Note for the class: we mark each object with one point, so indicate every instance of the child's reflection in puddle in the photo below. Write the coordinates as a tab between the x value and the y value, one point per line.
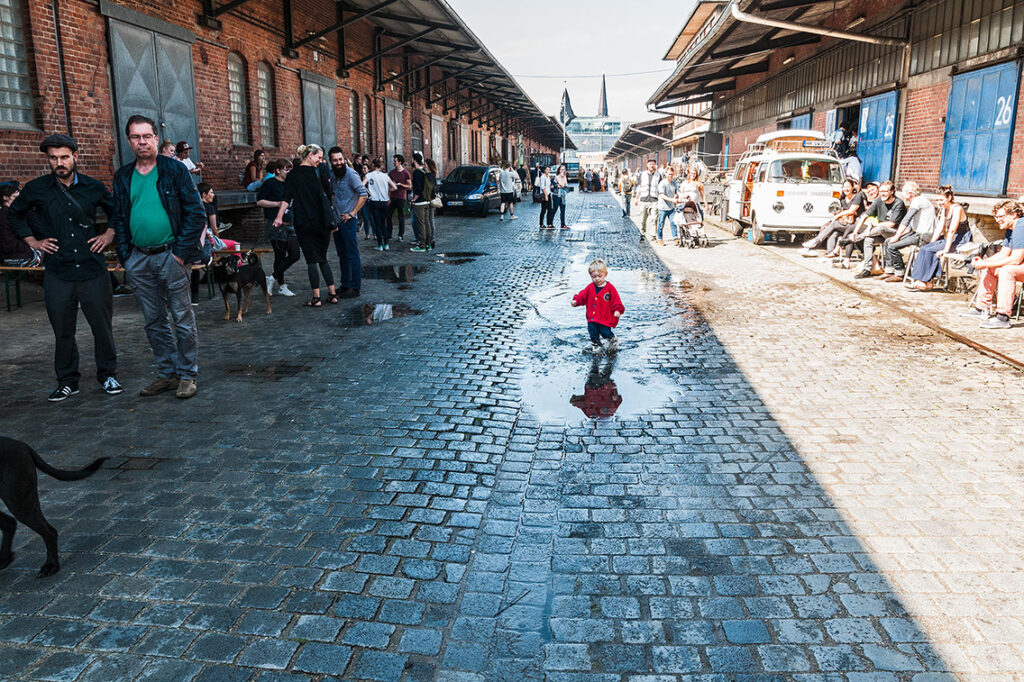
600	397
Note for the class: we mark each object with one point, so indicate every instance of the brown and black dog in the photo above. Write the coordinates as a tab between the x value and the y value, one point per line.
19	489
236	278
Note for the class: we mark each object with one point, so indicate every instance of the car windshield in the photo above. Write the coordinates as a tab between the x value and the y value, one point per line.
805	170
466	175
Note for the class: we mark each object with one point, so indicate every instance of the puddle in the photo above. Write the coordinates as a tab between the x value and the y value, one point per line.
458	257
564	382
271	372
375	313
393	273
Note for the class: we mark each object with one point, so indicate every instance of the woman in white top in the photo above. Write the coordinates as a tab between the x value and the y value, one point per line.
693	189
558	193
379	186
544	185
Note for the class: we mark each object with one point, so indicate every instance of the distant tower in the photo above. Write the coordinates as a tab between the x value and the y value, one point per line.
602	104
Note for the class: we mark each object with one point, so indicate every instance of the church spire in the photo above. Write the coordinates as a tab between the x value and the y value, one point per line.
602	104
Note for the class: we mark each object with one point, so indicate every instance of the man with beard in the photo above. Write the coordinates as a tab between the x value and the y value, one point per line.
349	196
62	208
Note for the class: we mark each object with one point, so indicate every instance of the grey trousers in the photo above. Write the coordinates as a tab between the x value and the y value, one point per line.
160	284
876	235
647	208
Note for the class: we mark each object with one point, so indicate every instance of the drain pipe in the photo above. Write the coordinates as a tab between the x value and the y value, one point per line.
803	28
58	38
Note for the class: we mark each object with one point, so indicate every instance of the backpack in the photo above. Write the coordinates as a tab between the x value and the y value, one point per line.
627	184
429	186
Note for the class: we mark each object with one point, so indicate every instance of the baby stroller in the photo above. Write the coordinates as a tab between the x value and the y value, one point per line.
690	225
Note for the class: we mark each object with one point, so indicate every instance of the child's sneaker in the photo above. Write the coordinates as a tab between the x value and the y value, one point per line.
595	347
613	345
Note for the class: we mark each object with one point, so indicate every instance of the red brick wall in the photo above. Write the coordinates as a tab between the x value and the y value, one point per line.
920	137
1015	184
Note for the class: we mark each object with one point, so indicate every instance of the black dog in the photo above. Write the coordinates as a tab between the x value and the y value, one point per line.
19	489
232	277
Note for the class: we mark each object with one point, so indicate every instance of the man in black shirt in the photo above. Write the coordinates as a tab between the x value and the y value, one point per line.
888	211
63	207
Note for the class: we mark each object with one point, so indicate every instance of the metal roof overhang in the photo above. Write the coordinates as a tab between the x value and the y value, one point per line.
434	32
732	48
437	34
648	135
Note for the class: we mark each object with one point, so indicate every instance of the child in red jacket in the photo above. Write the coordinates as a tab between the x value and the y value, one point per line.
604	307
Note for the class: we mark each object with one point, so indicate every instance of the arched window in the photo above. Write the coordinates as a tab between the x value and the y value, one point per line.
236	100
366	130
15	92
265	99
353	112
417	138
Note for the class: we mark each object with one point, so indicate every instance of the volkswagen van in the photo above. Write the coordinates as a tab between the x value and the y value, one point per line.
788	181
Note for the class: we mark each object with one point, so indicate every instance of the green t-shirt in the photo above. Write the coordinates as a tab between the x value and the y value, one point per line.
149	223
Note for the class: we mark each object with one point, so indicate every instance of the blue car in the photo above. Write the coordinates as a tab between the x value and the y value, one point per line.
473	189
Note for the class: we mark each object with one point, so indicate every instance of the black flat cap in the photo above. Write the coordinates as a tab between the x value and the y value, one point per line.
58	140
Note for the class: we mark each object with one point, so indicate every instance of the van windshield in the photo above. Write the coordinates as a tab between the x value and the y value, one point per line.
466	175
805	170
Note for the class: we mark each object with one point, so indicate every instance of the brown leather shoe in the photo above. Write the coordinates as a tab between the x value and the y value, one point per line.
160	385
893	278
186	389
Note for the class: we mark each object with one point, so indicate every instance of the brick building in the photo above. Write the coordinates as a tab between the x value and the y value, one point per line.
233	76
932	87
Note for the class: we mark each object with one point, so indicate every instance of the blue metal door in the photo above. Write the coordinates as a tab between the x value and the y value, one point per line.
877	136
800	122
979	129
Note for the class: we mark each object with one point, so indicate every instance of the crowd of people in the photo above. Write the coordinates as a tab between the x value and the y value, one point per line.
162	225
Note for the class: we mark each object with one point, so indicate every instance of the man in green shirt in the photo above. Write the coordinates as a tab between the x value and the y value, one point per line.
158	219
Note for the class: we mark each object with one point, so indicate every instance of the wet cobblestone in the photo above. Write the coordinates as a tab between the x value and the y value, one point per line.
425	498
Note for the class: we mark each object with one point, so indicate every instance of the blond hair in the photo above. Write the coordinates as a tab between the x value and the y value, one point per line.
306	149
598	266
911	187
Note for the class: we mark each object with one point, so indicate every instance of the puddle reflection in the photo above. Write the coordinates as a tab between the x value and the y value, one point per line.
601	396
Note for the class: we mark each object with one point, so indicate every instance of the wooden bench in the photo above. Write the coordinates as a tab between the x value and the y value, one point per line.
14	274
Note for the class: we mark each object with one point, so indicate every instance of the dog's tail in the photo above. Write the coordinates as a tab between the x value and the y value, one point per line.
64	474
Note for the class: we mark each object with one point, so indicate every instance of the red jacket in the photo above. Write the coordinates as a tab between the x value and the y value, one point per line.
600	306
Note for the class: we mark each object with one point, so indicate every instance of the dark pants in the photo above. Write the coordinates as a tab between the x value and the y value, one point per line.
597	330
62	300
346	243
286	254
893	257
379	218
627	198
197	275
396	205
557	204
546	212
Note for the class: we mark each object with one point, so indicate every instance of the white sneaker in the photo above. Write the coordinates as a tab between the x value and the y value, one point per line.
270	284
501	217
285	291
513	218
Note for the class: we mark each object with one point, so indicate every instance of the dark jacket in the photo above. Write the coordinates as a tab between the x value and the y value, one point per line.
180	199
43	211
11	246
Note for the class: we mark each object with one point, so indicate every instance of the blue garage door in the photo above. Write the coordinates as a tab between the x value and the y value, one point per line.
979	130
800	122
877	136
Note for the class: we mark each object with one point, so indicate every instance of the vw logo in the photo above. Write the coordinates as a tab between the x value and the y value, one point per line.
808	207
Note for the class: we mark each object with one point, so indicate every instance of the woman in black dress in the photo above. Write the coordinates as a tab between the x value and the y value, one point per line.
306	192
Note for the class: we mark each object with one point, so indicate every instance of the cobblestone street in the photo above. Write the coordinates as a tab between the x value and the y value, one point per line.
791	482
